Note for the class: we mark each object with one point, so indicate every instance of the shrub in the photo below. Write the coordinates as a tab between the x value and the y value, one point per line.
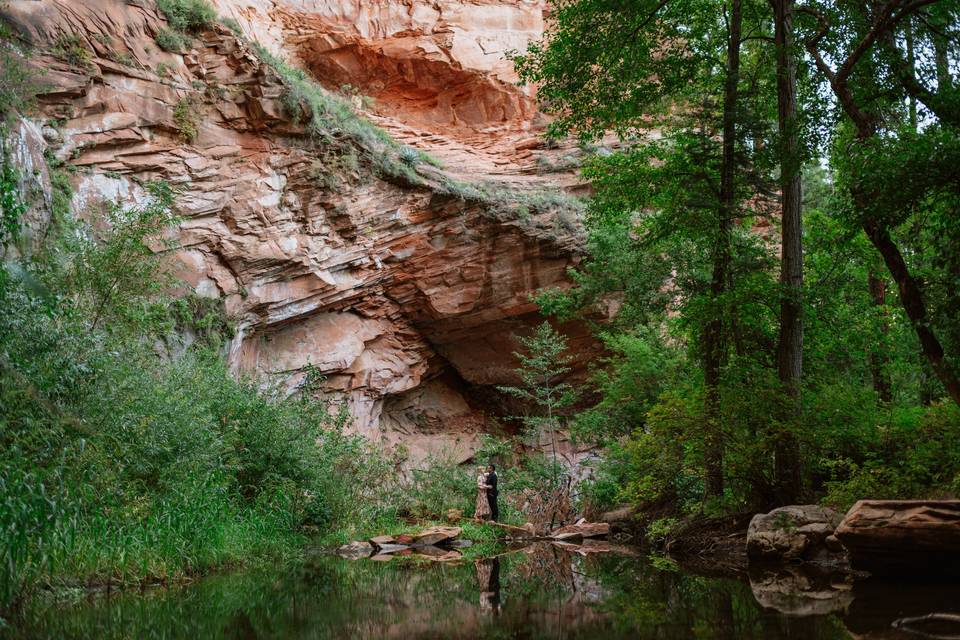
12	206
186	118
233	25
19	84
409	156
123	57
172	41
71	48
189	16
329	117
119	465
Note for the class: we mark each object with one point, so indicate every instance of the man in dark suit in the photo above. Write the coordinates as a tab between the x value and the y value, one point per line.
492	492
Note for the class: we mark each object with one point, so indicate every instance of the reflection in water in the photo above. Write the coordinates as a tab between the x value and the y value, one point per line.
535	592
488	577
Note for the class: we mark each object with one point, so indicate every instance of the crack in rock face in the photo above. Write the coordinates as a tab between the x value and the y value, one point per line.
404	298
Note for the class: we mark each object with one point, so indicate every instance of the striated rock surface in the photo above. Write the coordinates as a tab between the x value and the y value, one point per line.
903	537
434	73
403	298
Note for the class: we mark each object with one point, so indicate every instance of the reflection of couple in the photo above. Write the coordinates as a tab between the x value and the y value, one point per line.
488	575
487	507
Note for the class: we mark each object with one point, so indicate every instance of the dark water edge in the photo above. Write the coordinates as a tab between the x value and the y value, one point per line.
536	592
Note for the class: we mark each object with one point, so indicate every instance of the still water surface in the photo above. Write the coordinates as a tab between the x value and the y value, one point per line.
531	593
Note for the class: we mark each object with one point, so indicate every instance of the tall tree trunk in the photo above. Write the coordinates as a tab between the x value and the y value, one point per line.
878	354
714	338
911	296
790	345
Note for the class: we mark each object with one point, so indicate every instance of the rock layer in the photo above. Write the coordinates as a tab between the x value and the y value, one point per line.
916	538
403	298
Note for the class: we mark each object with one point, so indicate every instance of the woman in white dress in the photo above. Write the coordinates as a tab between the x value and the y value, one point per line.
483	504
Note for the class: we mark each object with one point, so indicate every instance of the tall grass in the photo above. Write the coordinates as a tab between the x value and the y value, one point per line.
119	465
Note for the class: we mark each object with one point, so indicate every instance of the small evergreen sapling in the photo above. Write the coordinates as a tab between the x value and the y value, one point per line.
541	371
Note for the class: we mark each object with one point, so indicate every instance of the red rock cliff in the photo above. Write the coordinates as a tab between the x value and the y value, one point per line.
403	295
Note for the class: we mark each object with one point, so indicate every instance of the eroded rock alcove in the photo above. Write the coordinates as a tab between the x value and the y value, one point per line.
405	298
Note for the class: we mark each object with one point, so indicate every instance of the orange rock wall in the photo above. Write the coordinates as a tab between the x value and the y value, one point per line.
403	298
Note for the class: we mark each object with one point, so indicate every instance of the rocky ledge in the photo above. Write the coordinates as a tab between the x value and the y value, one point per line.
399	290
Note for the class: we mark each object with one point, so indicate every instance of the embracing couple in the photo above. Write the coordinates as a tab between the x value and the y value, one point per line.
487	508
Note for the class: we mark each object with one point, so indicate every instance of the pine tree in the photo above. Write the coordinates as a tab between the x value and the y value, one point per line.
541	371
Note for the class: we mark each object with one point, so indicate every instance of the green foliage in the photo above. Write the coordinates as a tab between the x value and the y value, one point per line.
188	16
541	370
905	455
19	83
12	207
327	115
233	25
71	48
186	118
120	466
172	40
409	156
660	530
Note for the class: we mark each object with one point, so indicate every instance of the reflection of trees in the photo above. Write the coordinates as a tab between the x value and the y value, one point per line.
669	604
537	592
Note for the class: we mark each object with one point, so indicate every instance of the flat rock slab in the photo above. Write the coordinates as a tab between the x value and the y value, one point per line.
582	529
379	541
436	535
909	538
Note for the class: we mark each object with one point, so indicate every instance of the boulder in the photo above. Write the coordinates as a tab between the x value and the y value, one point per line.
583	530
356	549
917	538
795	532
435	535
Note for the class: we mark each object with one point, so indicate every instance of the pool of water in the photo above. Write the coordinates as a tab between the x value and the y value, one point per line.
539	591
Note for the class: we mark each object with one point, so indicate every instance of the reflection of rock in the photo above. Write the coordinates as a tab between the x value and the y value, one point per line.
904	537
356	550
790	533
877	605
800	591
581	530
933	625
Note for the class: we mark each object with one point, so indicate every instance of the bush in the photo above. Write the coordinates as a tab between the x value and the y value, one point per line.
186	118
119	465
189	16
19	84
172	41
71	48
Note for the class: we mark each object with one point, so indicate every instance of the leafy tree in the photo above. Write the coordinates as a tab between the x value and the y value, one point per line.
541	371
